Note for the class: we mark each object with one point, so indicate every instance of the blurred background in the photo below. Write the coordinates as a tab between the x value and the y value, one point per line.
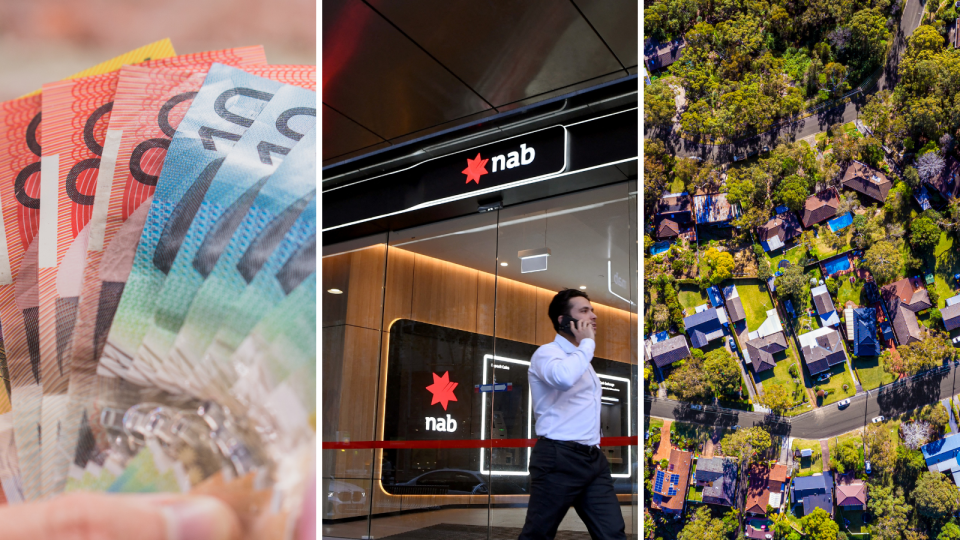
47	40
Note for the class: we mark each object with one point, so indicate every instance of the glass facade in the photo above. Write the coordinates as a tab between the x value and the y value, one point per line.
427	336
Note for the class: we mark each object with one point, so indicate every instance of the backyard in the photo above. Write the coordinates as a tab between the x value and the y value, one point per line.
850	292
947	262
792	254
756	301
690	296
871	373
809	466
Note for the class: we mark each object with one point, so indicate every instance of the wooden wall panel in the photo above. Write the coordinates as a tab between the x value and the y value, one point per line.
545	331
486	297
613	333
365	293
332	370
358	403
398	299
336	275
444	294
516	316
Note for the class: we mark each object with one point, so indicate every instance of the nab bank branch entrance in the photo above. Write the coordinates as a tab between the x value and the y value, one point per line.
436	280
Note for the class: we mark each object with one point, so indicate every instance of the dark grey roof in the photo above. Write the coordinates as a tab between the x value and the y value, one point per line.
669	351
668	229
735	309
827	352
806	485
823	303
905	325
951	316
870	182
812	502
761	351
865	342
724	487
714	464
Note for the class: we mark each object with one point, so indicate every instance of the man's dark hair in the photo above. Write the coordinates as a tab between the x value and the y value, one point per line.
560	305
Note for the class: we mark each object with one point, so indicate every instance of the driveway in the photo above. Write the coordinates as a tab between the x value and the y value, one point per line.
663	451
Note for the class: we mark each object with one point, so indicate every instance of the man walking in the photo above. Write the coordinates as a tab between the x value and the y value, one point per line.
567	467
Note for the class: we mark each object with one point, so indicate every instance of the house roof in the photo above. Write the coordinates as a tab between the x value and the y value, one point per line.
724	487
865	342
673	203
904	321
769	326
941	455
775	233
951	317
851	491
820	207
669	351
735	308
703	327
661	55
761	481
808	485
761	351
668	229
679	465
870	182
812	502
715	208
909	292
824	305
821	349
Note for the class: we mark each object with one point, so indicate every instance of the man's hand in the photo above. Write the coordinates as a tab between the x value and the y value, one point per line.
120	517
583	329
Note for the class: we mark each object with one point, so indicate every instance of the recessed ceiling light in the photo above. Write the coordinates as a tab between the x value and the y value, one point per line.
503	264
334	291
583	287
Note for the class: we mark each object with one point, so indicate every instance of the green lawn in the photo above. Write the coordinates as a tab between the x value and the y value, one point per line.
850	292
834	387
811	465
871	373
780	374
756	301
852	130
947	265
826	252
695	494
793	255
690	296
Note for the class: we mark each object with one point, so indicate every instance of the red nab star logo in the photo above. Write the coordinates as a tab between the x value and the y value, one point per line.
442	390
476	168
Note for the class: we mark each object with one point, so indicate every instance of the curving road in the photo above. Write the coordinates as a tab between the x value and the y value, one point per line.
829	421
724	153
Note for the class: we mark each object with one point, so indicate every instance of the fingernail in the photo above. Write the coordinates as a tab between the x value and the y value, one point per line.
200	518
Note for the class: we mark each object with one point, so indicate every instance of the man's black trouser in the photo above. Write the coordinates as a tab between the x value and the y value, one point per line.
568	474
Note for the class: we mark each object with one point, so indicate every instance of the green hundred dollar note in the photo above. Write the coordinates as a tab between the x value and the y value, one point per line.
281	221
243	176
222	111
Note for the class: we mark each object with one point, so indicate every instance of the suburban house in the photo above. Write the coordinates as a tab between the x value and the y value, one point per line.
715	209
666	352
902	300
657	56
868	181
718	478
820	207
775	233
674	216
670	485
765	487
946	183
734	305
865	342
941	456
851	493
759	352
704	326
770	325
951	313
825	308
822	349
813	492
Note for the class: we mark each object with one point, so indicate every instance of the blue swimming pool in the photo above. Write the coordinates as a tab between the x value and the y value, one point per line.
659	247
840	222
836	265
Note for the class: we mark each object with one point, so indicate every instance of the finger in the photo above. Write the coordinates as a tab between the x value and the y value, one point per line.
82	516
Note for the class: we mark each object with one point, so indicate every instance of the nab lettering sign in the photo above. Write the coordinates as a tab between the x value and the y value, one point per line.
488	168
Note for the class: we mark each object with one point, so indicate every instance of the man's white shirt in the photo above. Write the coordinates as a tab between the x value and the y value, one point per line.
566	391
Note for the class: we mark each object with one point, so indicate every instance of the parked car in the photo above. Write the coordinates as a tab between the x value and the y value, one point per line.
824	378
696	407
867	466
877	420
733	345
456	482
843	404
735	427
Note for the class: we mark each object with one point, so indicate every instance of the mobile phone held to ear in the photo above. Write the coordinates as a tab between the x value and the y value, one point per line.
567	324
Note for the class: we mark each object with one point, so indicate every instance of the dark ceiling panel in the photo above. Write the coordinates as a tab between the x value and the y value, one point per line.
561	91
376	76
506	50
342	135
616	22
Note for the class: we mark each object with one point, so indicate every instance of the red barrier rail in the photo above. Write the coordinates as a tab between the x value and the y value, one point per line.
461	443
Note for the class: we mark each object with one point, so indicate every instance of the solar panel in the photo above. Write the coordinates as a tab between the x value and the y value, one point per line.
674	478
658	486
672	492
